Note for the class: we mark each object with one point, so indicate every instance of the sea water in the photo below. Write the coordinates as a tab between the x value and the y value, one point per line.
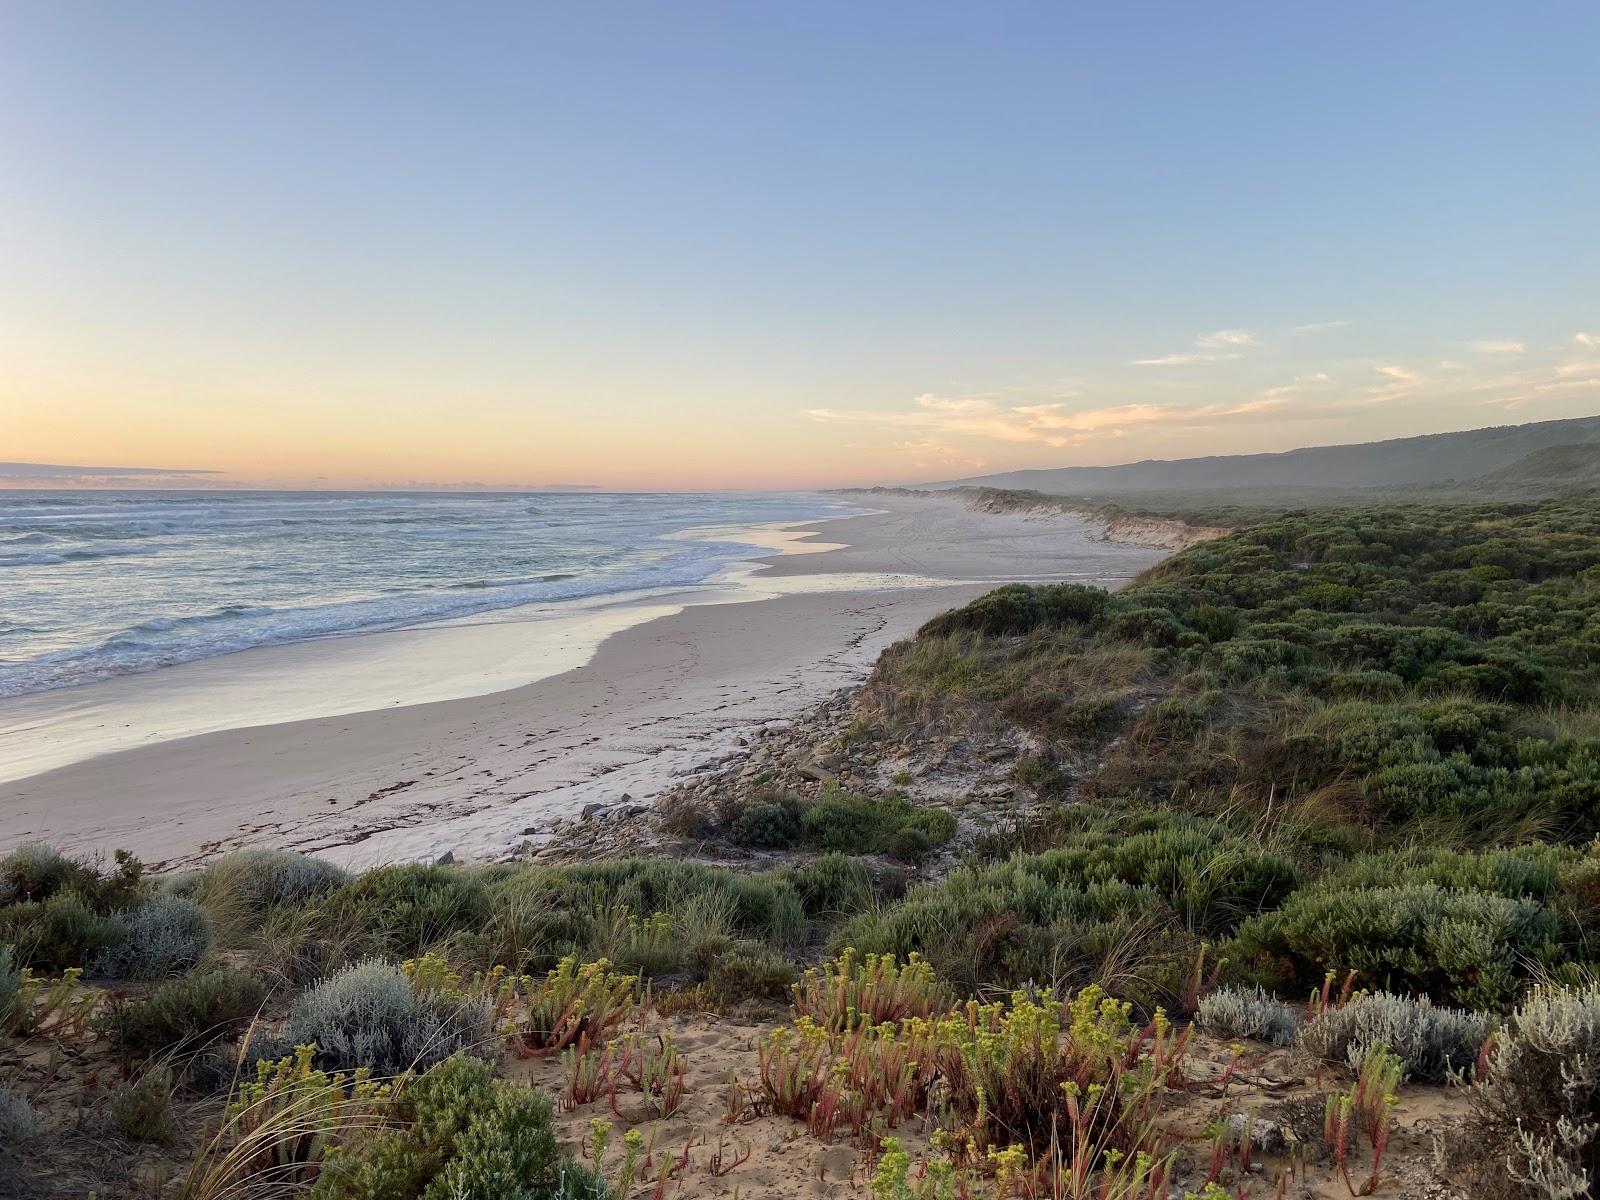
100	584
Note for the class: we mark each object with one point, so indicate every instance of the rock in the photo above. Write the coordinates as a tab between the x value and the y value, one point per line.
590	810
625	797
1264	1134
445	859
814	772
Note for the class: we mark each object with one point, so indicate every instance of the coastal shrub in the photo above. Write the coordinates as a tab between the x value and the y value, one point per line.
251	882
185	1014
1019	608
18	1122
1230	1012
1471	949
749	969
11	978
35	871
1020	920
1433	1044
839	885
775	826
1533	1129
403	910
456	1131
142	1109
765	906
841	823
371	1015
164	936
56	933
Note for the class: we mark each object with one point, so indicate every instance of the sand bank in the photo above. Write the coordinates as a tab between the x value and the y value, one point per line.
411	743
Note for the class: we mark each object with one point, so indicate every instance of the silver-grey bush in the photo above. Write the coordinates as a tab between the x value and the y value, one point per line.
1432	1043
1248	1013
368	1015
163	936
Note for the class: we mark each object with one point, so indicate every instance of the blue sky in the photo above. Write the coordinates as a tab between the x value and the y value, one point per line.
683	244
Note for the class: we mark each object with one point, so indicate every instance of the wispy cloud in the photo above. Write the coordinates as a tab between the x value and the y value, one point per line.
1504	348
1227	337
1399	373
1591	340
1046	424
1224	345
1184	360
1300	383
1317	327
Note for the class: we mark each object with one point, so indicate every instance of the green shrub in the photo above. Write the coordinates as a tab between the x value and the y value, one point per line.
403	910
56	933
10	986
1471	949
1019	920
835	885
841	823
142	1109
457	1132
260	879
1019	608
164	936
37	872
748	969
186	1014
768	825
908	845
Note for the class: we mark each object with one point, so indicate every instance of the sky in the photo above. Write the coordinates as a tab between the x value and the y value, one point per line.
686	245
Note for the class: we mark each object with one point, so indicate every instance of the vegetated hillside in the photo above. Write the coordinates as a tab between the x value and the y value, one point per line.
1430	458
1556	468
1359	746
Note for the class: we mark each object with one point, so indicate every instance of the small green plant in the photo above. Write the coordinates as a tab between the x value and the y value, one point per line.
750	970
51	1007
18	1122
142	1109
184	1015
280	1126
851	990
570	1003
61	931
1365	1109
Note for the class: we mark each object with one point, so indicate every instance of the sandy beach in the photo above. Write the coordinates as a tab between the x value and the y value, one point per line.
416	742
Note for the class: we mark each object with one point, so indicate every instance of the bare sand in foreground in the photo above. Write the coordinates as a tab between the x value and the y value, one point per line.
476	775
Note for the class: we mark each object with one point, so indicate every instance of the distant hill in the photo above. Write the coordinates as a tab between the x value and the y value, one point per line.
1435	458
1555	468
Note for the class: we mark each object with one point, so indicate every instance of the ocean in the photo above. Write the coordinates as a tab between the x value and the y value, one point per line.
100	584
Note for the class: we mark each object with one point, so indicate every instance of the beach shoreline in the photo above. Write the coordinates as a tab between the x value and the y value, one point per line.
667	688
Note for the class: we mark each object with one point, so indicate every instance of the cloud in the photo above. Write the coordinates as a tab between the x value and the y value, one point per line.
1401	374
1317	327
60	475
1046	424
1183	360
1300	383
1225	341
1504	348
1590	340
1226	337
